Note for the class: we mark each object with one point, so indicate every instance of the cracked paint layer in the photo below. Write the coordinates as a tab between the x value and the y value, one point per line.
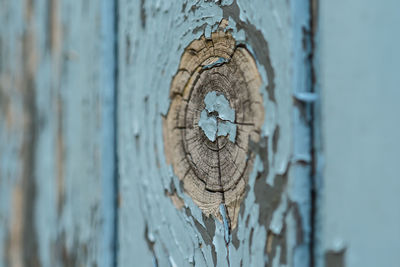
229	100
266	232
221	124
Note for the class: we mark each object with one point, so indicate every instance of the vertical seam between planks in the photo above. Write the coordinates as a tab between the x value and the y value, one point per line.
313	5
115	122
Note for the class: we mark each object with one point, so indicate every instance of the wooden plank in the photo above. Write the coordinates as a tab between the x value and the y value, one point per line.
358	76
57	133
159	223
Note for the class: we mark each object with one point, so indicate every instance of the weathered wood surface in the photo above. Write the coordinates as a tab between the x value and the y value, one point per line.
57	133
357	59
159	224
215	115
59	114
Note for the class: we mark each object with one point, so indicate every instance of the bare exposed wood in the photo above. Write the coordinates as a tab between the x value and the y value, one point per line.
214	172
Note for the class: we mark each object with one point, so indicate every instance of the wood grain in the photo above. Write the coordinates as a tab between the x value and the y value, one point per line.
214	172
57	133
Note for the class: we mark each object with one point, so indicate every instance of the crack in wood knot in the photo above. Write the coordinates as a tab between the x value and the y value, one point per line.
214	171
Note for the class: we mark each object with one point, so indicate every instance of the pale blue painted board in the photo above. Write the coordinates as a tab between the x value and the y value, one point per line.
57	160
358	78
151	40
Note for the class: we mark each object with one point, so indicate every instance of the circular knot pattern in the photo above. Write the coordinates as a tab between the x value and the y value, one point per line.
216	109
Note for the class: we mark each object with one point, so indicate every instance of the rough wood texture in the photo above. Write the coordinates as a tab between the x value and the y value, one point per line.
58	172
57	137
214	171
273	226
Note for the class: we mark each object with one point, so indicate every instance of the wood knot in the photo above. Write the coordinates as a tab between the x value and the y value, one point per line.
216	109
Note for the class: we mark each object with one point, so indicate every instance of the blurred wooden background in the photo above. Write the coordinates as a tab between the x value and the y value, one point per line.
83	177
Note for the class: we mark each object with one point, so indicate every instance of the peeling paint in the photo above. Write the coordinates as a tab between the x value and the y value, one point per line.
270	33
256	40
173	195
305	96
212	125
226	223
217	63
277	217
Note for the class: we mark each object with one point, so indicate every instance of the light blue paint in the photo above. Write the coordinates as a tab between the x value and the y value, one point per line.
306	96
223	124
305	157
222	211
157	49
225	128
357	70
108	92
209	125
299	187
207	31
172	262
217	102
11	136
75	75
277	218
217	63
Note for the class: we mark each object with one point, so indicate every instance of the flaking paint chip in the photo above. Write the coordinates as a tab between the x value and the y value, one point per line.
216	109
